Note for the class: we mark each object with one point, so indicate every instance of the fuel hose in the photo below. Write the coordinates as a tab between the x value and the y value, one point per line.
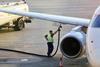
34	54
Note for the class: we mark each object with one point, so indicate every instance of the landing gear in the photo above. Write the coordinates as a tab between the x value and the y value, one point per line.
19	24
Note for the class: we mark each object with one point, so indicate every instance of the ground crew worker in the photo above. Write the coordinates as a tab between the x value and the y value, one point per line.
50	40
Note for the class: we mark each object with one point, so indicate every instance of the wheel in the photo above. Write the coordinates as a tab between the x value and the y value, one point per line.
19	25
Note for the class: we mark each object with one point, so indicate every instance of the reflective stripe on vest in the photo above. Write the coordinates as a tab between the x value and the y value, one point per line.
50	38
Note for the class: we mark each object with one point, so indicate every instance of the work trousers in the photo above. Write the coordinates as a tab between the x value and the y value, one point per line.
50	48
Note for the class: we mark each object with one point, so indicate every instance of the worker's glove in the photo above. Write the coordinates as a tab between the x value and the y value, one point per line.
45	36
58	29
60	26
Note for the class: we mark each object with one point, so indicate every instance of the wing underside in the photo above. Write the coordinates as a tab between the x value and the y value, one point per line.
49	17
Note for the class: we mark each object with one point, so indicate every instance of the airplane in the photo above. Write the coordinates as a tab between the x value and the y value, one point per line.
76	43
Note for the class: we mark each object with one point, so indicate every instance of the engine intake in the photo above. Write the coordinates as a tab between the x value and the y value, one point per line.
73	44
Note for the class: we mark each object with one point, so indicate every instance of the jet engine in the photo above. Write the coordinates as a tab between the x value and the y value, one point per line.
72	45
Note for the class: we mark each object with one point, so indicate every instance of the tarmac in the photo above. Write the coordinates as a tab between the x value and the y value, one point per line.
31	39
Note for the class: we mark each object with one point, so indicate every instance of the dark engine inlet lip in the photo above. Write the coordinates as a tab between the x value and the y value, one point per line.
75	56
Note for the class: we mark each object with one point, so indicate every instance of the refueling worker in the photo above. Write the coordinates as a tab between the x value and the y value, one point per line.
50	41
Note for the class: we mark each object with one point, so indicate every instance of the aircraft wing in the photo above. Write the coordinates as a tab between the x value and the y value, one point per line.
54	18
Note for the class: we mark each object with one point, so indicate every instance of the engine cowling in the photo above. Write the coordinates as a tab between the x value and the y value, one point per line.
72	45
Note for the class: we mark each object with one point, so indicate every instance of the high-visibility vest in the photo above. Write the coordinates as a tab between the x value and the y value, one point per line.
50	38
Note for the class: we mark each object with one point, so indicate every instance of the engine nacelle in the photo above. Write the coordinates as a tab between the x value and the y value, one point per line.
72	45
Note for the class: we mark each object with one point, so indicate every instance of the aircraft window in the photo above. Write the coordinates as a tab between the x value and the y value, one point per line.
96	22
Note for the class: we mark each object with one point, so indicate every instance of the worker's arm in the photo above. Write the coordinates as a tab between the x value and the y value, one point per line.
46	37
57	30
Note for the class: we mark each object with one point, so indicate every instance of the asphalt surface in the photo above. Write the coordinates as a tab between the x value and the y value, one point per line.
31	39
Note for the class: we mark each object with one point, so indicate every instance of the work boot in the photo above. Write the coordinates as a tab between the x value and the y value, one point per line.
48	55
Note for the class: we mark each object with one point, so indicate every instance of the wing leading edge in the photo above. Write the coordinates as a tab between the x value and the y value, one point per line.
54	18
